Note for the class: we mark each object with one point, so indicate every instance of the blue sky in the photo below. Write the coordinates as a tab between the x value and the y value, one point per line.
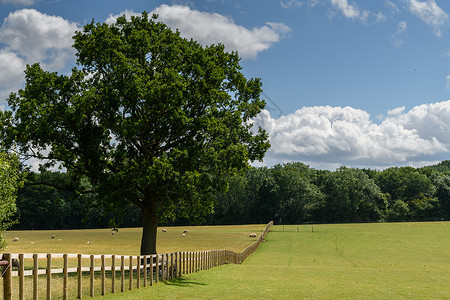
355	83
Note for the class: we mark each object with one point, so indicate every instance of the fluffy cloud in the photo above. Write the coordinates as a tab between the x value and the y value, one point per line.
350	10
430	13
29	36
38	37
330	136
212	28
12	68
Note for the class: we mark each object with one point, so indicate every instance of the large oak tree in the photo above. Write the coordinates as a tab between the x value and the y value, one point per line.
148	116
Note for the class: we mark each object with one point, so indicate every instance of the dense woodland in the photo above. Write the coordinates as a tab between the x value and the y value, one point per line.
291	193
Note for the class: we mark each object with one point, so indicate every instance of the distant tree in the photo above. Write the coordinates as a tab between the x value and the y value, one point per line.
442	193
151	118
404	183
295	193
443	166
414	189
351	196
48	200
233	207
11	179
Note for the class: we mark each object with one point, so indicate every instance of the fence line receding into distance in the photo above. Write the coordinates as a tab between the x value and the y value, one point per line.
90	269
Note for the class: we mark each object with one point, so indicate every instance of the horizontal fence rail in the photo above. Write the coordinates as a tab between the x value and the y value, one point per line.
95	272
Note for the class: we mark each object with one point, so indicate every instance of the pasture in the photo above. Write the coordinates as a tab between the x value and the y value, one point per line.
127	241
344	261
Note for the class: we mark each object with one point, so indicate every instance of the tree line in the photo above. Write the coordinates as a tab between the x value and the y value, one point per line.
292	193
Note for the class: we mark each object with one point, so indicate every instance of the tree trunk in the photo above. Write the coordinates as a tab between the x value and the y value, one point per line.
150	229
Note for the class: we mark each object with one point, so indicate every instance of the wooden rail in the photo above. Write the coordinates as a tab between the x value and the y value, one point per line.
152	268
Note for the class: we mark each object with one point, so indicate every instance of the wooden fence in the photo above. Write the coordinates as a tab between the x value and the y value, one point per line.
96	272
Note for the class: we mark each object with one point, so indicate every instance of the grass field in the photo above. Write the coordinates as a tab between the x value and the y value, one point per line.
346	261
127	241
350	261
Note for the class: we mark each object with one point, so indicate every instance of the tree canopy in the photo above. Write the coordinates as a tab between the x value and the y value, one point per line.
11	179
149	117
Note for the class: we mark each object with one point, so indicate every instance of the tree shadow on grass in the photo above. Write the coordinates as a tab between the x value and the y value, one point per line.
184	282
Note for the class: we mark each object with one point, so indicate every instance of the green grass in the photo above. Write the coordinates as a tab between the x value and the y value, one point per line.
349	261
125	242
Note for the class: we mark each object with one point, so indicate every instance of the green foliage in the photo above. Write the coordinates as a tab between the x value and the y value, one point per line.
11	178
150	118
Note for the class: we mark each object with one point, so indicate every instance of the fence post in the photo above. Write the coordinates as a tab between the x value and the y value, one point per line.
21	275
171	266
80	275
131	274
92	276
122	273
7	278
65	276
113	272
163	265
157	268
35	276
103	275
151	270
145	270
138	272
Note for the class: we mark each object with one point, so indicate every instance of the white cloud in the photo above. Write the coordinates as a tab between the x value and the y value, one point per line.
393	8
38	37
11	67
325	135
396	111
380	17
290	3
212	28
350	10
19	2
447	84
397	38
430	13
402	26
29	36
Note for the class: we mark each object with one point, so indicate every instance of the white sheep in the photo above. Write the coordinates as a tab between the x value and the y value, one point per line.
164	230
16	239
184	234
89	243
31	243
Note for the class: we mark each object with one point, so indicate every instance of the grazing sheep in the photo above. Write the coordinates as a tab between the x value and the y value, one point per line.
185	231
115	229
59	240
31	243
16	239
184	234
252	235
164	230
89	243
53	236
113	233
